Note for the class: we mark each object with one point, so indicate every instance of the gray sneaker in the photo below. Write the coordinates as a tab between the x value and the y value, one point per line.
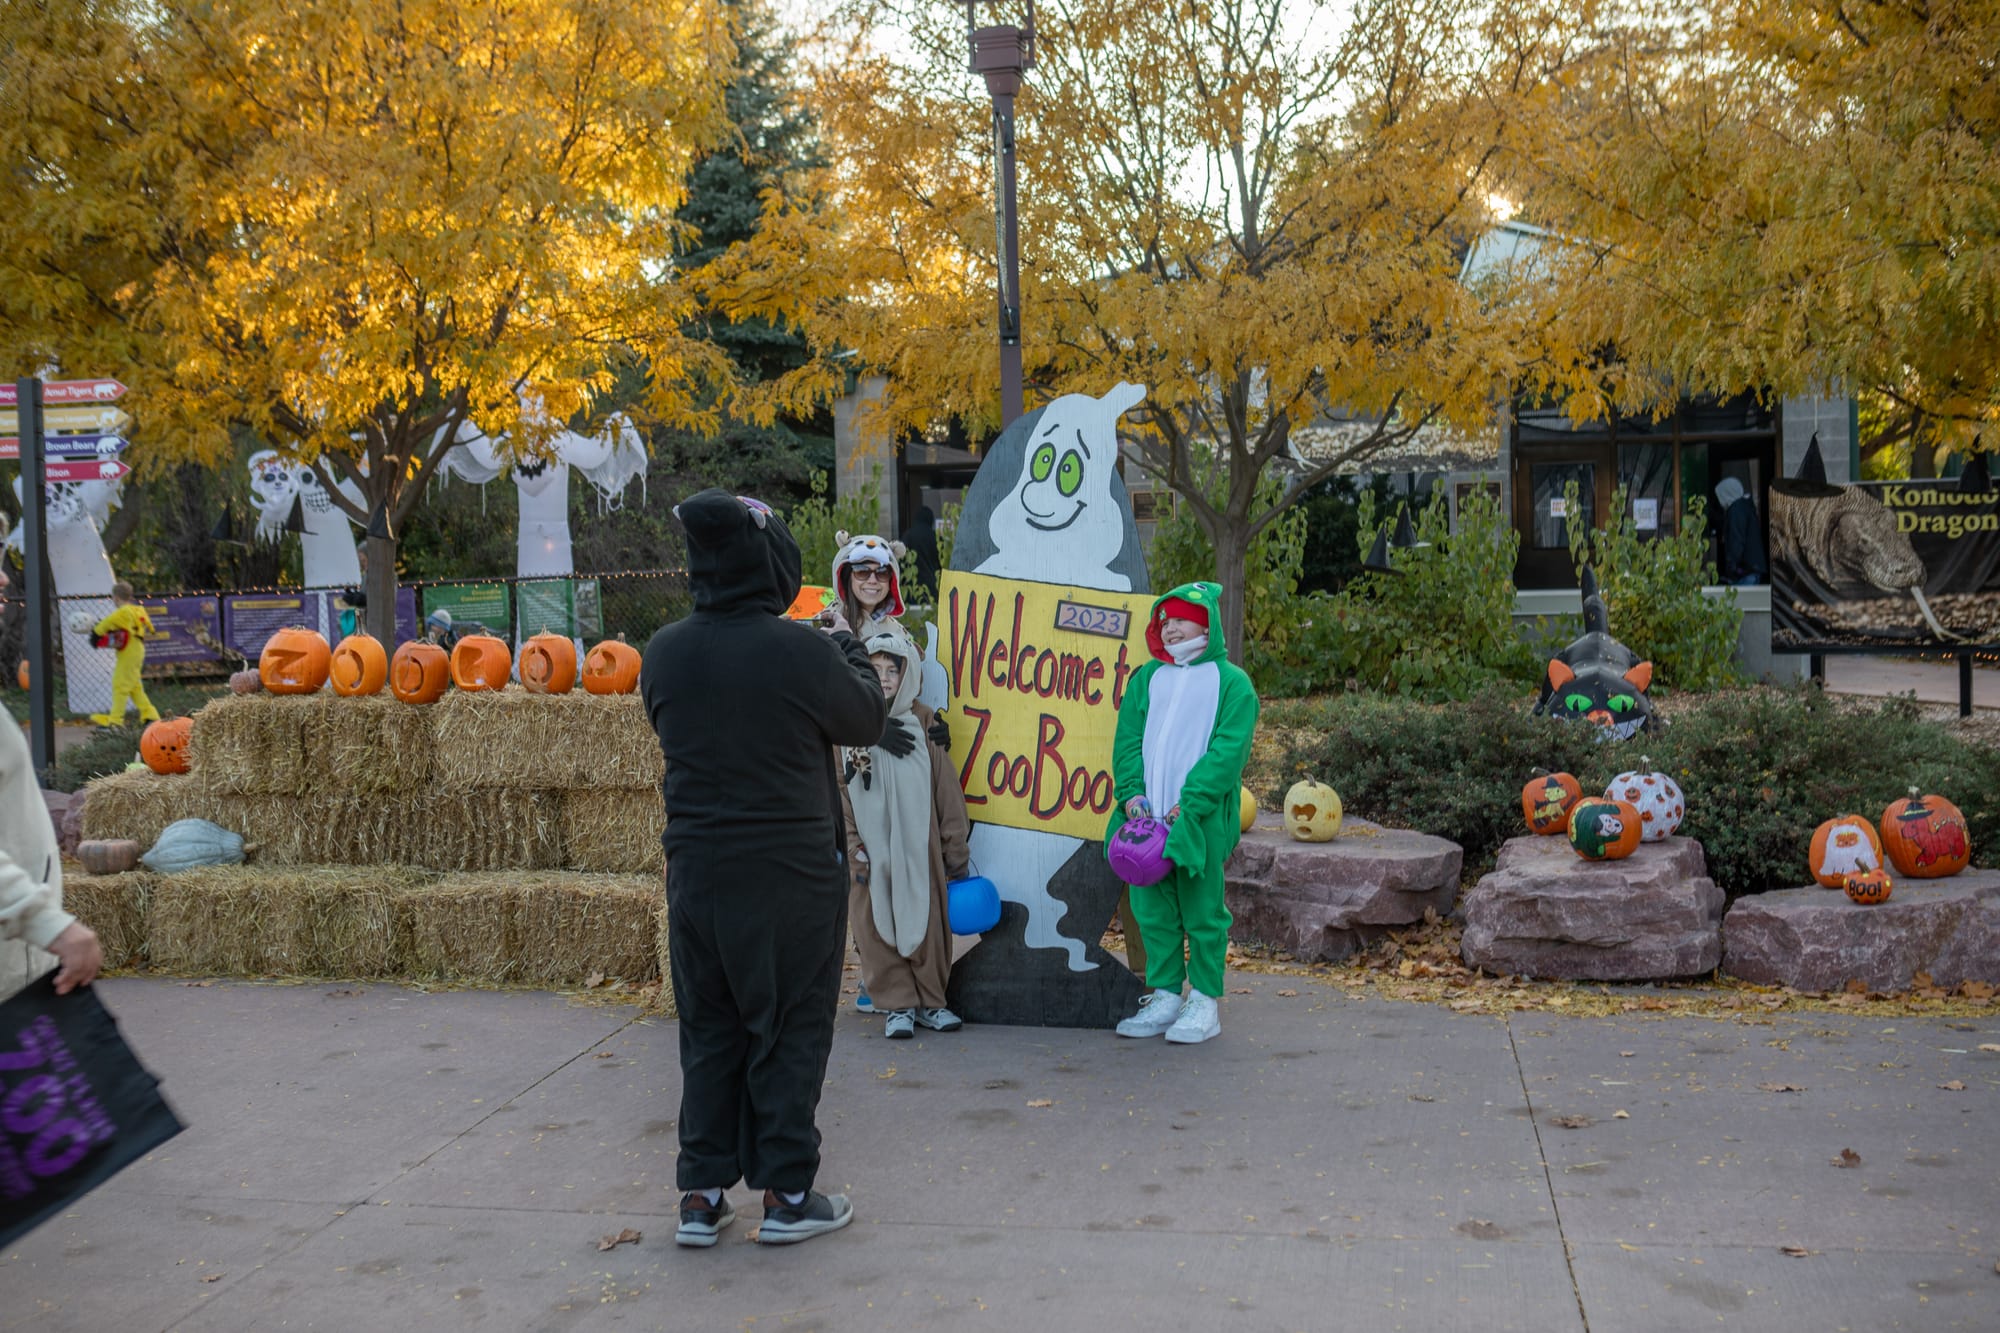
939	1020
900	1025
789	1223
702	1222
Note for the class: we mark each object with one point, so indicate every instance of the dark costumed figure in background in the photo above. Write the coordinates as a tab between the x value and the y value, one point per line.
749	708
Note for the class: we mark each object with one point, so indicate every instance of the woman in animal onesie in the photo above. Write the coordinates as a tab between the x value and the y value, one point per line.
868	581
906	836
749	708
1184	734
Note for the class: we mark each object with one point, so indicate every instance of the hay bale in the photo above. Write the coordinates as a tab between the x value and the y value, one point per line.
665	963
614	831
115	906
373	743
319	921
138	805
511	738
488	830
254	743
548	929
352	829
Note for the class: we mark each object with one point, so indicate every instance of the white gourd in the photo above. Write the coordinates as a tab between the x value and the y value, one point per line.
188	843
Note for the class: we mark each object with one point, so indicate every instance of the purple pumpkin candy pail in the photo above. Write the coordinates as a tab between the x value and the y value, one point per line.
1138	852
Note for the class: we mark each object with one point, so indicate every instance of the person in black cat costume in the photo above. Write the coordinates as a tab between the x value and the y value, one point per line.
749	708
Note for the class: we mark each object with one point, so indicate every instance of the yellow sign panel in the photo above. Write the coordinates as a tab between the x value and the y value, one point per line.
1037	674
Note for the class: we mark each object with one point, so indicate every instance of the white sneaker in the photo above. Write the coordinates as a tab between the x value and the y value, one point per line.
1200	1019
1157	1013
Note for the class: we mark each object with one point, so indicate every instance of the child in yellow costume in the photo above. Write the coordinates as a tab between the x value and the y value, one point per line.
126	629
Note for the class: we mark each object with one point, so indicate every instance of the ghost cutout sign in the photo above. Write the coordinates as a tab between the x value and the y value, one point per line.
1048	506
77	513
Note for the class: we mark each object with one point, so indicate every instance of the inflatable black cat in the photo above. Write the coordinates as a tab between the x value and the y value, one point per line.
1598	679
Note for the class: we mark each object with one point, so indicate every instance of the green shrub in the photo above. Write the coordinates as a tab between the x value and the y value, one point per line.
1182	553
1761	769
1652	589
815	520
105	750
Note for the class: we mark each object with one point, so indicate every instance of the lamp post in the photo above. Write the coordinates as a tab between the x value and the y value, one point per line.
1002	54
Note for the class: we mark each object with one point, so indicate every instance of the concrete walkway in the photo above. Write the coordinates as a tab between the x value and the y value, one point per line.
1932	682
368	1157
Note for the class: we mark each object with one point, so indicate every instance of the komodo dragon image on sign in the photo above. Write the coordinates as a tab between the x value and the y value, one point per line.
1848	544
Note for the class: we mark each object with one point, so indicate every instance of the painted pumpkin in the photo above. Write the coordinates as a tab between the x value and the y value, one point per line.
1545	802
108	856
294	661
612	667
1925	837
419	672
1869	887
481	662
1246	805
359	666
548	664
164	746
245	682
1603	829
1842	846
1312	812
1655	796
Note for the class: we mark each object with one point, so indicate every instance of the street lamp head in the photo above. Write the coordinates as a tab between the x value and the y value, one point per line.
1001	47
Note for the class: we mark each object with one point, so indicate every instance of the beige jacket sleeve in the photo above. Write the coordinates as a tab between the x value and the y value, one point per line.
30	865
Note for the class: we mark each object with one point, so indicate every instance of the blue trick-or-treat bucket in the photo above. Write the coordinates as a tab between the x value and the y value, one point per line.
972	905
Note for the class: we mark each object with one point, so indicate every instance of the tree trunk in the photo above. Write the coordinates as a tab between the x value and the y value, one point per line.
380	578
1232	547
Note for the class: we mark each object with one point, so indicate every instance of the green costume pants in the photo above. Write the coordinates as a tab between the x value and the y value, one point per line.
1184	925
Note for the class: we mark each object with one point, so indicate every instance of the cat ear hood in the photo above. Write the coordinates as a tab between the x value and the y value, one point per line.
741	556
899	645
1199	602
869	549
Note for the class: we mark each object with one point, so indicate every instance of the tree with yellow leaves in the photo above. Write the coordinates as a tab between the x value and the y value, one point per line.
1257	209
355	226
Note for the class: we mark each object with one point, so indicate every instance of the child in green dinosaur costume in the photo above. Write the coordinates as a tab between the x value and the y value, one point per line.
1184	733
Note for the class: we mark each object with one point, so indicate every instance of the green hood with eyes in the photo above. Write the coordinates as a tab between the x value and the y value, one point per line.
1207	597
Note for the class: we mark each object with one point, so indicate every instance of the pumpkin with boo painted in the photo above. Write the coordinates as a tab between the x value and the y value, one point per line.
1546	800
1312	812
1842	846
359	666
1602	829
419	672
1869	887
612	667
1655	796
164	745
1926	837
294	661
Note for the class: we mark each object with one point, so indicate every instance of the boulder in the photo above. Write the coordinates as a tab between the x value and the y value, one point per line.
1321	901
70	831
1814	939
1544	911
60	803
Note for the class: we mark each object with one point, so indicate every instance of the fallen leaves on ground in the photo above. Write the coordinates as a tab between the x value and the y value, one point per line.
1848	1158
602	1055
343	994
1952	1085
1288	994
1796	1251
1422	1097
1480	1229
1621	1115
625	1237
1041	1103
213	1277
199	984
1779	1087
593	981
1990	1046
1578	1121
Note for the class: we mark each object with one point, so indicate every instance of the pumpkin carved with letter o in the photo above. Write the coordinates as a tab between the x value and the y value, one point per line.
164	745
481	662
359	666
1869	887
1926	837
548	664
294	661
1312	812
1601	829
1546	800
418	673
1842	846
612	667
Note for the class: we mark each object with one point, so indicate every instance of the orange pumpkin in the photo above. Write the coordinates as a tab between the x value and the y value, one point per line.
481	662
21	673
612	667
1601	829
548	664
164	745
108	856
1869	887
1545	802
1926	837
419	672
359	666
294	661
1843	846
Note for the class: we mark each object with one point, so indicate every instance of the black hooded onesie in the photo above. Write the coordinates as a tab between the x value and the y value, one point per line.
749	708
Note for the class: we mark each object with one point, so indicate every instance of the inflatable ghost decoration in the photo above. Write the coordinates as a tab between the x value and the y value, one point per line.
77	513
1598	679
327	546
609	461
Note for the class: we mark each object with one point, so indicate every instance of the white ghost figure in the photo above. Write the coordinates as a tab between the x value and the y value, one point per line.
609	461
77	513
1061	523
327	545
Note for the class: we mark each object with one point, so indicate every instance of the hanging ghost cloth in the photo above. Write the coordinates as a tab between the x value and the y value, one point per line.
76	1106
892	811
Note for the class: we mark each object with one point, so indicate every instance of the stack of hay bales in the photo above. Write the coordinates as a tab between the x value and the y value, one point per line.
495	836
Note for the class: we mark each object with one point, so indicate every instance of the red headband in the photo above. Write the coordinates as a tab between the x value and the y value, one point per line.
1175	608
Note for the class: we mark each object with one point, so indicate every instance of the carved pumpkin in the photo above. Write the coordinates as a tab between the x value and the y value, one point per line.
1842	846
1603	829
245	682
1545	802
1247	805
548	664
294	661
164	746
612	667
359	666
1869	887
1655	796
1312	812
108	856
481	662
419	672
1926	837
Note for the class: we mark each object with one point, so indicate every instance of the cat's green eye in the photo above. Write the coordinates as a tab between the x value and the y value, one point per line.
1577	703
1045	463
1623	703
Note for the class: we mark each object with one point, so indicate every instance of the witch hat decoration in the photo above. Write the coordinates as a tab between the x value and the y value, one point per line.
1809	482
1406	532
1976	479
225	527
1378	554
296	520
378	522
